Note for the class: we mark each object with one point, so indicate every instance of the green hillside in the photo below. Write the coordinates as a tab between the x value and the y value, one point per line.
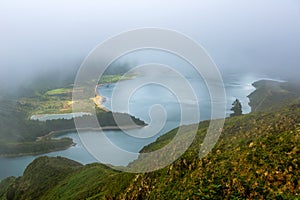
41	174
256	157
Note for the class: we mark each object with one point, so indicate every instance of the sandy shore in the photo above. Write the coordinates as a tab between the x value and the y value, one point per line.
99	100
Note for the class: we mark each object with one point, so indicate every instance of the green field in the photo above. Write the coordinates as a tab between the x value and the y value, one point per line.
59	91
59	100
114	78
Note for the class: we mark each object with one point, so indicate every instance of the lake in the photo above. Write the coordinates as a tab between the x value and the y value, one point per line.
45	117
237	86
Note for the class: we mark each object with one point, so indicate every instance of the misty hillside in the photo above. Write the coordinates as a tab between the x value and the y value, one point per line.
272	94
256	157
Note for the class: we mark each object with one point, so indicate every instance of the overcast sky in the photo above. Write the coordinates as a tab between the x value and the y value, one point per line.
252	35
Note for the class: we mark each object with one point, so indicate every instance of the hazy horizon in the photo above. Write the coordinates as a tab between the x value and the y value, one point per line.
248	36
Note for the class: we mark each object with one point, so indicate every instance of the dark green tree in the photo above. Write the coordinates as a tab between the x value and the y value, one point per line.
236	108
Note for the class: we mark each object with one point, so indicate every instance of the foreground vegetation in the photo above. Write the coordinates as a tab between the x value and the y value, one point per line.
256	157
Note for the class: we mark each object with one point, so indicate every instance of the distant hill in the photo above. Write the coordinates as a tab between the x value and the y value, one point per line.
256	157
19	135
271	94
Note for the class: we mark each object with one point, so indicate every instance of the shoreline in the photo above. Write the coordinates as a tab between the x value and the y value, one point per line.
99	100
105	128
35	153
53	134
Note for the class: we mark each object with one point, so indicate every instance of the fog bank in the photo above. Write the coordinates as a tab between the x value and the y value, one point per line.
241	36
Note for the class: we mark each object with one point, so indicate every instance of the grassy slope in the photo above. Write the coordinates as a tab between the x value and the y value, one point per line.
256	157
41	174
4	186
93	181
